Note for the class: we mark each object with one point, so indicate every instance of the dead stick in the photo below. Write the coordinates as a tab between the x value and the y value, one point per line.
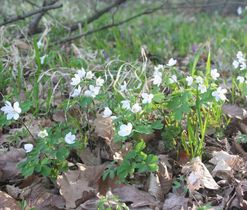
96	15
22	17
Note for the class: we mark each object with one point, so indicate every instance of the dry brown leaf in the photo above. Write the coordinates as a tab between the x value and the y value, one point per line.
89	158
175	202
104	129
198	176
89	205
165	177
225	163
8	162
41	198
234	111
118	156
79	185
37	194
154	187
7	202
138	198
21	44
58	116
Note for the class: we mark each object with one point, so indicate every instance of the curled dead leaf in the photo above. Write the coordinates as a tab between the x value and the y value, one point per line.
225	163
198	176
165	174
104	129
154	187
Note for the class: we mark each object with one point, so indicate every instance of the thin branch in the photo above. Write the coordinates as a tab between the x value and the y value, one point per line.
96	15
146	12
22	17
34	24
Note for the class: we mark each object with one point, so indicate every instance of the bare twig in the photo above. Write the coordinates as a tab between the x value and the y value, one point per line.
96	15
22	17
146	12
33	25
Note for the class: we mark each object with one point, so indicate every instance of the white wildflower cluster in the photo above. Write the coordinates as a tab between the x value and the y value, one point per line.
92	90
240	61
157	75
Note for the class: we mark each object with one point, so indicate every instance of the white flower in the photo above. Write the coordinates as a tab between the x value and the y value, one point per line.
75	80
242	65
125	104
240	56
93	91
158	68
70	138
107	112
189	80
173	79
89	75
171	62
81	73
76	91
28	147
99	82
219	94
157	79
239	11
235	64
214	74
123	87
42	59
125	130
202	88
39	44
136	108
43	134
11	112
147	98
240	79
199	80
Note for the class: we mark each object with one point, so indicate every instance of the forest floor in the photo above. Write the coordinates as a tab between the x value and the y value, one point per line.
148	115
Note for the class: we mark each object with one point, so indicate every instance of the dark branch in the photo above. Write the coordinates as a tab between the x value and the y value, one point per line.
146	12
34	24
22	17
96	15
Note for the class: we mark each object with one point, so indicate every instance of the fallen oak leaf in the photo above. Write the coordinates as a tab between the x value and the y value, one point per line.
79	185
8	162
198	176
225	163
234	111
175	202
137	198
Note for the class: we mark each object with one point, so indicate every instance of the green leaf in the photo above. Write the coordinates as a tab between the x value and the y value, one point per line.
85	101
25	106
157	125
27	170
62	153
159	97
140	146
144	129
45	170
